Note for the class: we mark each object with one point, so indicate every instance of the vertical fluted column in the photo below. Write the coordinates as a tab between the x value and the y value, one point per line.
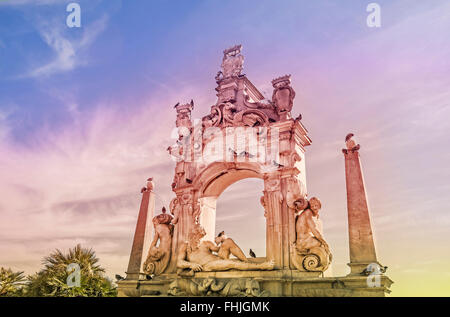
362	247
275	226
183	226
146	212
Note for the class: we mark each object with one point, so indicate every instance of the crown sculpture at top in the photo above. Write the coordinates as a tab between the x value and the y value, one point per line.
239	102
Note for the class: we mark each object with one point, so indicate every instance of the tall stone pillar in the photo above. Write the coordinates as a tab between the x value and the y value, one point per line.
362	247
146	212
273	199
184	224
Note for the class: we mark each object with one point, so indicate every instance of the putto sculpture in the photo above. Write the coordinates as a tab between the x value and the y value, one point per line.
310	251
245	135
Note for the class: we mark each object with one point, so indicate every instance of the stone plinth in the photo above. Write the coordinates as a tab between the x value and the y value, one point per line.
257	283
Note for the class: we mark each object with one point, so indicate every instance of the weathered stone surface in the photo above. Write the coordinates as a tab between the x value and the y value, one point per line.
255	284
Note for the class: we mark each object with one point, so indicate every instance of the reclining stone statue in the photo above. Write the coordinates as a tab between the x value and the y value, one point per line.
195	256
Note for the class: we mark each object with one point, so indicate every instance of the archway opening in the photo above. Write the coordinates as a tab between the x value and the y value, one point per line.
240	214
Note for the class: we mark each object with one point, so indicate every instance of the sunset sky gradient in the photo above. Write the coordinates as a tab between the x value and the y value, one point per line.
86	117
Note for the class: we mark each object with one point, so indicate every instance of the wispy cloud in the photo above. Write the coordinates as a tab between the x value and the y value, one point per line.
81	183
28	2
68	53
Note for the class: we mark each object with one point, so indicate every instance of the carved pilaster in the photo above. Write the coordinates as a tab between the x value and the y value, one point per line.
185	221
274	219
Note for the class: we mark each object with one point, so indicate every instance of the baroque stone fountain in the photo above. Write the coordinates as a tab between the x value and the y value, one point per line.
246	135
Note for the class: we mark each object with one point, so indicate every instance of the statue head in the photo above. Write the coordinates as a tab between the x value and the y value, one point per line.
220	238
315	205
163	218
196	234
252	288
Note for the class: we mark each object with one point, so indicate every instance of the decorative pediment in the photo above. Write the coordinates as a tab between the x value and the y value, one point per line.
228	115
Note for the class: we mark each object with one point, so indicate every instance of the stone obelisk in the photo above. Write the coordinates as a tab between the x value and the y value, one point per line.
145	212
362	247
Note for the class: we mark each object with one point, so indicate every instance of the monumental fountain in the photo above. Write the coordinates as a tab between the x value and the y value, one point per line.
246	135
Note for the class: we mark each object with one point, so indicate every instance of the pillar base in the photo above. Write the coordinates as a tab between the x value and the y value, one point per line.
357	268
136	276
255	283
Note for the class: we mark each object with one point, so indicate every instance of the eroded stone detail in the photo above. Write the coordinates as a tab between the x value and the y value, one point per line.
295	197
216	287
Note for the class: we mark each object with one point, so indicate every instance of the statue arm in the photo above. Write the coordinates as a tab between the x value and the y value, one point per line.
155	240
212	246
183	264
315	232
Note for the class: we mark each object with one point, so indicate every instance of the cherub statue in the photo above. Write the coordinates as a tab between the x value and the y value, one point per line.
310	242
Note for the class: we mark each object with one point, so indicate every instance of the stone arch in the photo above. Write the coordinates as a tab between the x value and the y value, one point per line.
271	148
213	181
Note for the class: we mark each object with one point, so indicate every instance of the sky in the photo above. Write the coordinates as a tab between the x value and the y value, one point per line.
86	116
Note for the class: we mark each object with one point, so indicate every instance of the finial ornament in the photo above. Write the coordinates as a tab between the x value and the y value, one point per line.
184	114
149	186
351	144
232	63
281	81
283	96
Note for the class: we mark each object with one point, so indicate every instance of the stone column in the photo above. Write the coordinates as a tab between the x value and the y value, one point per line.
207	216
276	227
183	226
362	247
146	211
